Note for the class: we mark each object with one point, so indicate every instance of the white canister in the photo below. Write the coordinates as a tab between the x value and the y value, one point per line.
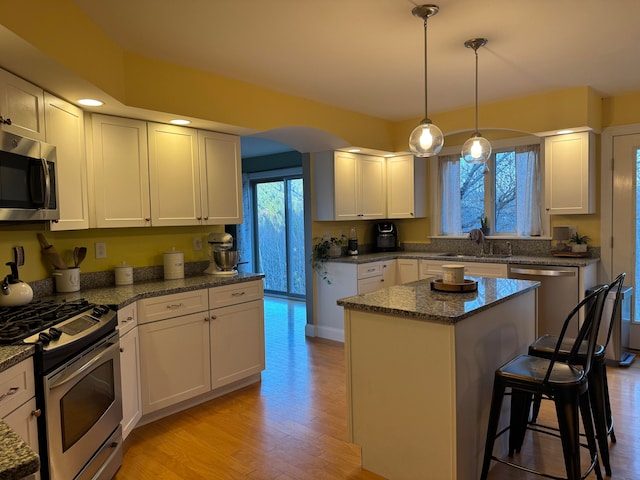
173	265
452	273
124	274
67	280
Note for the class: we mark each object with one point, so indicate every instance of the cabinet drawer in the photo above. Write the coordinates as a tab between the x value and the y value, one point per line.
234	294
16	386
174	305
127	318
367	270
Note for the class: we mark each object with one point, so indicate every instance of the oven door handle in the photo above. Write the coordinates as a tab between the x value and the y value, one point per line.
96	356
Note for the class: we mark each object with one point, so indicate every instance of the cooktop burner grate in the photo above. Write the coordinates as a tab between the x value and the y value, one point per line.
17	323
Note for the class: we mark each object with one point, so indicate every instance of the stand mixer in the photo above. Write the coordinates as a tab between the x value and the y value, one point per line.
223	258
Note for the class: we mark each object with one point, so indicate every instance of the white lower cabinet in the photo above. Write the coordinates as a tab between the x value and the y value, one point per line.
429	268
18	403
174	360
129	368
407	270
237	333
376	275
186	354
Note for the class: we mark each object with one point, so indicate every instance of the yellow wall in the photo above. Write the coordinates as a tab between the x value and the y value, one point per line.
61	31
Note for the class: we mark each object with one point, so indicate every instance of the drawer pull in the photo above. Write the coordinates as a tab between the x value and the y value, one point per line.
174	306
237	294
11	391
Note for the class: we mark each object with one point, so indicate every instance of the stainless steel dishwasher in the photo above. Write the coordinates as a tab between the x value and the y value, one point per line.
559	292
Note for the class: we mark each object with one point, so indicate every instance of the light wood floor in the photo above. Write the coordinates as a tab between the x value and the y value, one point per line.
293	424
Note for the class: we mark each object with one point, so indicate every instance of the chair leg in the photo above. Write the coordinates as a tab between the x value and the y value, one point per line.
597	397
567	412
520	407
537	401
492	427
587	422
608	404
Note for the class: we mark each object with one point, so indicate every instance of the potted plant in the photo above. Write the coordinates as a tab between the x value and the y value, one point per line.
578	242
324	249
484	224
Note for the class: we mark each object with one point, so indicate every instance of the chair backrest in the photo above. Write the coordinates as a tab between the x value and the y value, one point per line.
593	305
615	286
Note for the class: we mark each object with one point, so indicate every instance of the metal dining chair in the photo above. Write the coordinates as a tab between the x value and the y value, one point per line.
564	382
544	346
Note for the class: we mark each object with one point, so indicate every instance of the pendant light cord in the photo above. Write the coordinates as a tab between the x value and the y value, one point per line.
476	52
426	89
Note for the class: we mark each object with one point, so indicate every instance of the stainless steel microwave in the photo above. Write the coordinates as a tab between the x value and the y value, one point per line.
28	183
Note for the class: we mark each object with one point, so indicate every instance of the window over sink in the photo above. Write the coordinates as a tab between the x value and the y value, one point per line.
508	191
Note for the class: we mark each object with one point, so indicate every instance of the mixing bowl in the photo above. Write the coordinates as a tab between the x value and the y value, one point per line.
226	259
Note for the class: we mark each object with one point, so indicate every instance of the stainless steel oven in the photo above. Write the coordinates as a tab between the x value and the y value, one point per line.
83	408
77	372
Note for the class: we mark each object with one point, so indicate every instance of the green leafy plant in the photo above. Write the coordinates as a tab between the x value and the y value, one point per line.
322	252
579	239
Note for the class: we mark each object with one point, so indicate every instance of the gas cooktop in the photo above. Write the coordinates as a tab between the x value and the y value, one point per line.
18	323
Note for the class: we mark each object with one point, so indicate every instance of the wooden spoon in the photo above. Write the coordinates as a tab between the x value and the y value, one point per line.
79	254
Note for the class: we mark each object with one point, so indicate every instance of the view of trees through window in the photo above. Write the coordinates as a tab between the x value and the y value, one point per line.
279	235
505	176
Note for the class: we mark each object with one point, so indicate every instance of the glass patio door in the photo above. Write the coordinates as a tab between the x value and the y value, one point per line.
279	235
625	220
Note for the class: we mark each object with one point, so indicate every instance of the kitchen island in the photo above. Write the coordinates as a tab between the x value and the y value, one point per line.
420	369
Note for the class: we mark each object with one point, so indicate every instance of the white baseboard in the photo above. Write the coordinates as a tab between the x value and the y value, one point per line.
330	333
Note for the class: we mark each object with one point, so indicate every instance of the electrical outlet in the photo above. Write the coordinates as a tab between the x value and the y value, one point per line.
197	244
101	250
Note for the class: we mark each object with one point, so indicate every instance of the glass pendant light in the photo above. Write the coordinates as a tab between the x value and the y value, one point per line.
477	149
426	140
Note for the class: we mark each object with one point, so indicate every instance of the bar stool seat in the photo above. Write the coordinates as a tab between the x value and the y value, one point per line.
564	382
545	346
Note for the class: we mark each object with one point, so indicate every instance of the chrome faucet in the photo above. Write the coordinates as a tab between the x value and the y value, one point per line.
509	249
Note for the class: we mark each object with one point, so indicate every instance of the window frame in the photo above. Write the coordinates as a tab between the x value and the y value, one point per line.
497	145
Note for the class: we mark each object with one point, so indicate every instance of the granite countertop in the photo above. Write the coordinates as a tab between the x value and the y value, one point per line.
417	300
17	459
445	256
123	295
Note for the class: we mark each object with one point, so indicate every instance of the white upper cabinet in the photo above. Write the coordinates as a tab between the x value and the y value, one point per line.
220	178
21	107
406	187
65	129
570	173
120	172
174	175
349	186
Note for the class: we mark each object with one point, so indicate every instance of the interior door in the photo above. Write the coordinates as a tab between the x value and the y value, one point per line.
625	219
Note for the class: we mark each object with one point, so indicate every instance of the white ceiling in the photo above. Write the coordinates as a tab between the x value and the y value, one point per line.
367	56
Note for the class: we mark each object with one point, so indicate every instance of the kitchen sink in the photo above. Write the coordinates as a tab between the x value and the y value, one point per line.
463	255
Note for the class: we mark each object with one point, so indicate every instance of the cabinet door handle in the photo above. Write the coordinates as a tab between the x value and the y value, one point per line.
206	319
11	391
213	317
36	413
121	350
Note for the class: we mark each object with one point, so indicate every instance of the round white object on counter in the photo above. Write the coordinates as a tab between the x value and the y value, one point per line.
124	274
67	280
173	265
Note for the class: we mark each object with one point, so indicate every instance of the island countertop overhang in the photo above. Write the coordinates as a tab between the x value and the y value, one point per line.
418	301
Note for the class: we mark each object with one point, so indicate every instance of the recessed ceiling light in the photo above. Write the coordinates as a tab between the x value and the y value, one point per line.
179	121
90	102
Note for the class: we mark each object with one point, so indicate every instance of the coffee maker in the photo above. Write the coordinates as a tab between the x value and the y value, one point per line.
385	237
224	258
